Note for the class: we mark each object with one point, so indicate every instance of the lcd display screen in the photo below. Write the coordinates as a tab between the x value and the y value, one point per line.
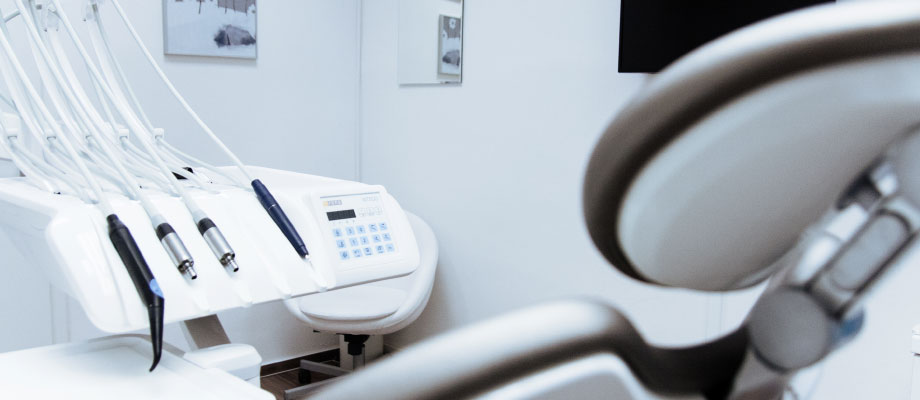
654	33
337	215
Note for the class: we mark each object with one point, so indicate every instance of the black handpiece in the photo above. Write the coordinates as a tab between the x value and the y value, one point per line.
143	279
274	210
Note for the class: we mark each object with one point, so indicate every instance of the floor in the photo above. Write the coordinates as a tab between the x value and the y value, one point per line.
278	377
279	382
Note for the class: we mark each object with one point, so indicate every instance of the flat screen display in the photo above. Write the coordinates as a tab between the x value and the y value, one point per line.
654	33
337	215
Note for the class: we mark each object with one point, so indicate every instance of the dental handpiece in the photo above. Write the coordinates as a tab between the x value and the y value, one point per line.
274	210
218	244
176	250
144	281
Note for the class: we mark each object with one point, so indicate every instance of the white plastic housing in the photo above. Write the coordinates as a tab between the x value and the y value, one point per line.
114	368
240	360
68	240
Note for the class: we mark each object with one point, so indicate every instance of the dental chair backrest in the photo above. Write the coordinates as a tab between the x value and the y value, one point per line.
713	171
711	179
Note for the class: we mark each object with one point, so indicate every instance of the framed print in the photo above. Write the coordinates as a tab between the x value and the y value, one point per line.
218	28
450	45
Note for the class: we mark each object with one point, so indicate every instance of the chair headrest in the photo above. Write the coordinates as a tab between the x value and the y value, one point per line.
713	171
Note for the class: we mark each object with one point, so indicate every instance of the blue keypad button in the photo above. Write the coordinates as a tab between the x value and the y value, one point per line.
353	241
349	230
377	239
337	232
340	244
361	229
367	251
372	227
356	253
364	240
383	226
380	249
343	254
390	248
386	236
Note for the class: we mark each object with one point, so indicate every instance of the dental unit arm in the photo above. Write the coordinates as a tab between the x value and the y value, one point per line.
786	151
121	274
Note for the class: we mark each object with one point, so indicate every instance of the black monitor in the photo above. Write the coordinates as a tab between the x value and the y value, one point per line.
653	33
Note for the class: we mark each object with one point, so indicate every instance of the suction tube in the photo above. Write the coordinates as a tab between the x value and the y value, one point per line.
144	281
274	210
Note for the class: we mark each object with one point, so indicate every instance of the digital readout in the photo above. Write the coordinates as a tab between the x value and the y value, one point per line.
337	215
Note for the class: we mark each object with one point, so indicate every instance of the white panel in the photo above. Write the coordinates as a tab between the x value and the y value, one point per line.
496	165
25	301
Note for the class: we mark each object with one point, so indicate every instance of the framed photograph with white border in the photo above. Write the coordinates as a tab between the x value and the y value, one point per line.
216	28
450	45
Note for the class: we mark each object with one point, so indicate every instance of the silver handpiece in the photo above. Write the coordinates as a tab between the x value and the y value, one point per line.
218	244
176	250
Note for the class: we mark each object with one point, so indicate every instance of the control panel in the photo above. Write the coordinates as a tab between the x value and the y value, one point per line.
361	231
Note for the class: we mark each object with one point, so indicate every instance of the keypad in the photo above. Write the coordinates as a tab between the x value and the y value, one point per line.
363	240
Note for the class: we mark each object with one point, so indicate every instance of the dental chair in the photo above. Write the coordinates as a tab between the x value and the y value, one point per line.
359	311
786	151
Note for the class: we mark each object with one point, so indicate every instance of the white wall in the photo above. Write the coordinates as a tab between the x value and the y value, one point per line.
293	108
495	165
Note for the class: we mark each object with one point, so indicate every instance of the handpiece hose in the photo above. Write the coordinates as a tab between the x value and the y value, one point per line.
274	210
144	281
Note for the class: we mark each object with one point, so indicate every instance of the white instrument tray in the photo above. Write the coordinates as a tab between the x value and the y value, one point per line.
68	240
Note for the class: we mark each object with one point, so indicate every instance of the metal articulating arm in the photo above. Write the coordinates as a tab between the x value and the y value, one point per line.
488	354
814	307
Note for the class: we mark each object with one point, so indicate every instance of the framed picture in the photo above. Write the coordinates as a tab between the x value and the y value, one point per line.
450	45
219	28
